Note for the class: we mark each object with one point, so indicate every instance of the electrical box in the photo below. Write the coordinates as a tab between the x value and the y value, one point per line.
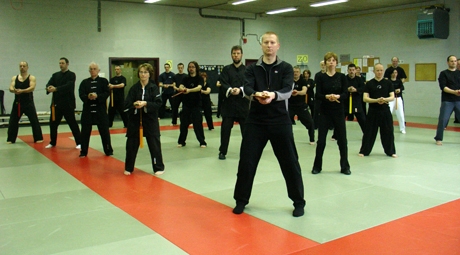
433	23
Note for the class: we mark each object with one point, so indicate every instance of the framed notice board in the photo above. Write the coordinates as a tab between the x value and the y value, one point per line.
425	72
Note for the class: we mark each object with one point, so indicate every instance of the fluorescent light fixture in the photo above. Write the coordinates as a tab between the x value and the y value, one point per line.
318	4
242	2
151	1
289	9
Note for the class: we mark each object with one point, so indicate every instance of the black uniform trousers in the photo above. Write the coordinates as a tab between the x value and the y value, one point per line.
305	118
315	112
311	104
13	124
118	106
359	113
226	131
193	115
69	115
255	138
165	98
376	119
207	112
132	147
335	119
103	129
175	103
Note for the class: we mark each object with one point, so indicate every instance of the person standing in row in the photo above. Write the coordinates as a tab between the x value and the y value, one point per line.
142	104
398	103
177	98
298	106
449	83
166	81
269	81
310	98
191	105
62	87
206	101
362	76
378	92
23	86
355	89
395	66
94	92
457	117
322	65
117	97
331	90
234	106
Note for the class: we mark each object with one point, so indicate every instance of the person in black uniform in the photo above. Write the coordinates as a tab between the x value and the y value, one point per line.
378	92
331	90
234	106
395	66
62	85
166	82
310	98
191	105
94	92
449	83
206	101
23	85
177	98
269	81
298	106
355	90
362	76
318	102
142	104
457	117
398	103
117	97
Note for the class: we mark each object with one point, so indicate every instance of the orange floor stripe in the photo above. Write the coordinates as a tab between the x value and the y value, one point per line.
194	223
433	231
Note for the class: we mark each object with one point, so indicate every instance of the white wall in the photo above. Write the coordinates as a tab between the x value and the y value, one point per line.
393	33
43	31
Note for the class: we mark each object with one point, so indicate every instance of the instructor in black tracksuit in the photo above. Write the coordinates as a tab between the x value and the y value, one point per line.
269	83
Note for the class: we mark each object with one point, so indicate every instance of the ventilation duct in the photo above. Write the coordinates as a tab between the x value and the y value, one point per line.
433	23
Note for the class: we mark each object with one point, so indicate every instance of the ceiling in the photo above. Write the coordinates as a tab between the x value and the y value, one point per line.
304	9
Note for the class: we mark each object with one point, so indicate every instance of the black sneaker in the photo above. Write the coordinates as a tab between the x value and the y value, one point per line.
221	156
239	208
345	171
298	211
315	171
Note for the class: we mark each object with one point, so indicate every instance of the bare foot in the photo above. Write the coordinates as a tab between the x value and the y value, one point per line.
361	155
394	156
438	142
312	143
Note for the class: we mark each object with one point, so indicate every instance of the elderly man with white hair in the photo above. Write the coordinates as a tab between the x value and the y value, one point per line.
94	92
